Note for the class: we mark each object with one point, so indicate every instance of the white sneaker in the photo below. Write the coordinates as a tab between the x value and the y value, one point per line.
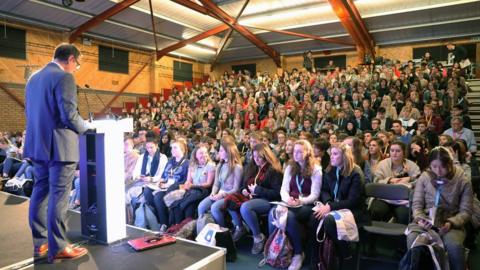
297	262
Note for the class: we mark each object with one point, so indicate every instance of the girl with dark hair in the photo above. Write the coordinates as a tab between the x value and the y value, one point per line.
373	158
164	144
263	179
351	128
419	152
442	199
396	170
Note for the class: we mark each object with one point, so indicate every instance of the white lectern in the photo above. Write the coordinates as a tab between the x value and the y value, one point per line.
102	186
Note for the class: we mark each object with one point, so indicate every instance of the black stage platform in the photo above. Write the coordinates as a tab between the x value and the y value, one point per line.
16	246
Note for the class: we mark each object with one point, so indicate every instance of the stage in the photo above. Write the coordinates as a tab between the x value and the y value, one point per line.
16	246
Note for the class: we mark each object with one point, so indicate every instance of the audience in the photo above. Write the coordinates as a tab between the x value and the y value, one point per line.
256	127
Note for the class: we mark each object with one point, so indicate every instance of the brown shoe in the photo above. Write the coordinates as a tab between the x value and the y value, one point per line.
68	253
41	251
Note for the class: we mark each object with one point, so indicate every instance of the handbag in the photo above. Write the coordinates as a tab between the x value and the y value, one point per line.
214	235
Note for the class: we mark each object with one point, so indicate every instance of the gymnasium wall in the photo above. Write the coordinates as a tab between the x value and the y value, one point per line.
398	52
40	44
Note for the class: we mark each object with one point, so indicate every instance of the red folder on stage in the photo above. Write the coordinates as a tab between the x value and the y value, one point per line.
149	242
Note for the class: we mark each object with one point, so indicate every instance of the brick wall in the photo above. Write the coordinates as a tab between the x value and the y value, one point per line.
13	118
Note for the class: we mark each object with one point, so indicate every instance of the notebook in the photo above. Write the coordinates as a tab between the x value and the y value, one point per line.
143	243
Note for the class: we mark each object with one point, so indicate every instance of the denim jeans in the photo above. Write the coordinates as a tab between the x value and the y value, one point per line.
251	210
296	216
216	207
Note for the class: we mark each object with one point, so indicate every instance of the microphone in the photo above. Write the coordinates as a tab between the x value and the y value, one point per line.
109	110
90	114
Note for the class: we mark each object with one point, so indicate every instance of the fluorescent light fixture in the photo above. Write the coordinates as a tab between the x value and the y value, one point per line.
286	14
200	49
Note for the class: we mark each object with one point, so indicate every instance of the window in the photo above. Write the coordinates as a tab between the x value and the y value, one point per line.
112	59
13	43
182	72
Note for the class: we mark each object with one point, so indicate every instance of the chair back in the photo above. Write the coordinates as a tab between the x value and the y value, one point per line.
387	191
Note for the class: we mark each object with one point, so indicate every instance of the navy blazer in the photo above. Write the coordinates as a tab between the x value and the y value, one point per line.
351	193
53	121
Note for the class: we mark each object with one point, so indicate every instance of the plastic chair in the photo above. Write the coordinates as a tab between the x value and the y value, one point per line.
379	228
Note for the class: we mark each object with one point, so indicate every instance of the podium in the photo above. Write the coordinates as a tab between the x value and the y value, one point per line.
102	186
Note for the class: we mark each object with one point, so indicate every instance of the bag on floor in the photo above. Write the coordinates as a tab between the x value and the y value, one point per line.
214	235
326	250
426	250
145	218
278	250
224	239
204	220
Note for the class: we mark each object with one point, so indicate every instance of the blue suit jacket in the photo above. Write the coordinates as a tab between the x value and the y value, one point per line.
53	121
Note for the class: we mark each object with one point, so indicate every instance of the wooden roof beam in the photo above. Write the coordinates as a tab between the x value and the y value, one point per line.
245	32
98	19
196	38
328	40
354	26
342	12
224	41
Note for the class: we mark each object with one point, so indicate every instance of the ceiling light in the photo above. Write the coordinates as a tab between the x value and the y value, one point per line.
200	49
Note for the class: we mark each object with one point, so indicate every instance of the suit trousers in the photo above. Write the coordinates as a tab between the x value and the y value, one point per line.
49	203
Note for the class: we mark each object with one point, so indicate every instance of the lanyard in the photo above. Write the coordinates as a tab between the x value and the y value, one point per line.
299	185
172	170
335	190
437	195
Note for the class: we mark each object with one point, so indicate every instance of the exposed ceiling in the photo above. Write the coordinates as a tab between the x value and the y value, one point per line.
388	21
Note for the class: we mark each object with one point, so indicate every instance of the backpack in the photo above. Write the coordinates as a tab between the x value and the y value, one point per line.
278	251
145	218
416	258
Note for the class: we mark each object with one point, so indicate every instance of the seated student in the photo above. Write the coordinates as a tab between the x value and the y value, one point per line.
396	169
228	177
443	199
342	188
12	161
373	158
201	173
263	179
173	176
148	170
302	181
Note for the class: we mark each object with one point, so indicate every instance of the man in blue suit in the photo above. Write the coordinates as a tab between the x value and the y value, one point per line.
51	142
